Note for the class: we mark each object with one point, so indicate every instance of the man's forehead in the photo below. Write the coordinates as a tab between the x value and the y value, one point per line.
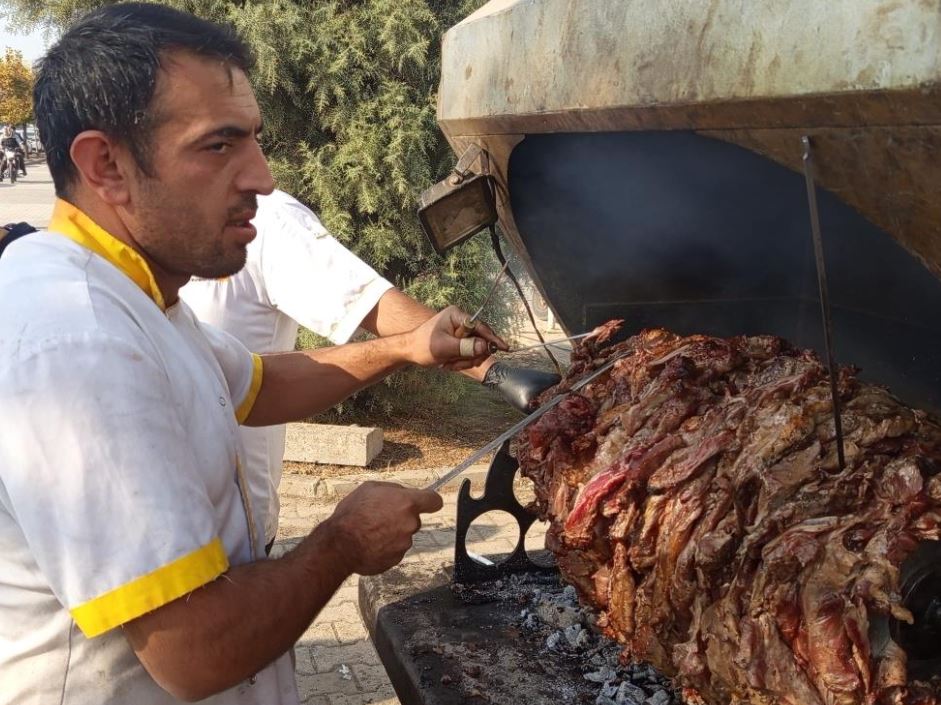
195	89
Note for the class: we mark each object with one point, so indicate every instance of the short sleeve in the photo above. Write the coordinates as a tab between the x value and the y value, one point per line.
243	370
311	277
99	475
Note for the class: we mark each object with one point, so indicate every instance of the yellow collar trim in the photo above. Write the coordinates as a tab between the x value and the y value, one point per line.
70	221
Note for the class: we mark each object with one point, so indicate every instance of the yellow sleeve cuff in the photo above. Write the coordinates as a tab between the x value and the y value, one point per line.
150	591
258	372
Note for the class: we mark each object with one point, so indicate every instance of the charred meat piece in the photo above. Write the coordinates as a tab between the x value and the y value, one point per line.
695	500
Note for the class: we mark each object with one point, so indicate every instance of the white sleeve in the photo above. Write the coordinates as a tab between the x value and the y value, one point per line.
243	370
311	277
96	467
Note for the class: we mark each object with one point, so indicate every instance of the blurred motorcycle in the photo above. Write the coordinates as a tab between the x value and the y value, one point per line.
10	163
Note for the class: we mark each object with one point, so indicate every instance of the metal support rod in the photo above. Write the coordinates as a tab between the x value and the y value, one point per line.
495	241
824	296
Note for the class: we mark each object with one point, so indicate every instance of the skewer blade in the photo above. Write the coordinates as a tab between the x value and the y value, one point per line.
557	341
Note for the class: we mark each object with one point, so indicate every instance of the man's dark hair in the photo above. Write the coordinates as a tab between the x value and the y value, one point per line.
102	73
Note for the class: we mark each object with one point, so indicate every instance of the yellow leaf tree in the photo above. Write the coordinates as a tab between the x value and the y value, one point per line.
16	85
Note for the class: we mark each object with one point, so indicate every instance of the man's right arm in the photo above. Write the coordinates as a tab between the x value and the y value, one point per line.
300	384
245	619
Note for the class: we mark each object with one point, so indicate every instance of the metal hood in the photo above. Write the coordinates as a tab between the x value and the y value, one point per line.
647	160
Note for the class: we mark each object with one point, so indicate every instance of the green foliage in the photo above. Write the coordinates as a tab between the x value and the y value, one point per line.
347	89
29	14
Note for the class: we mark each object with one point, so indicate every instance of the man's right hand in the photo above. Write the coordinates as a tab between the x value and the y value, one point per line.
374	524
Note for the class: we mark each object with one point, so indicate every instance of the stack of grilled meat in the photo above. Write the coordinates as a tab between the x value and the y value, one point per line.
695	498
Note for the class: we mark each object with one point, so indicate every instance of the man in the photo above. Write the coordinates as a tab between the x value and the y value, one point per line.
11	232
11	140
131	553
297	273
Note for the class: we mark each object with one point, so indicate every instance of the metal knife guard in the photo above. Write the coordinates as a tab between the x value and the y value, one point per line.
498	495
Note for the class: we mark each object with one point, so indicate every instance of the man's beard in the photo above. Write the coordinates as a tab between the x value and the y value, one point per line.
186	250
221	267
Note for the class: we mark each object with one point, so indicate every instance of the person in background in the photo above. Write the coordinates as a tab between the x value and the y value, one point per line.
132	566
12	140
297	273
11	232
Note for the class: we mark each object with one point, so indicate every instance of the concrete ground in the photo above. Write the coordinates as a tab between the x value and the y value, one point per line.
336	663
30	198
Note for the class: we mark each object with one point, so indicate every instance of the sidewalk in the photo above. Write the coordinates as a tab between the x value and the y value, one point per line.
31	198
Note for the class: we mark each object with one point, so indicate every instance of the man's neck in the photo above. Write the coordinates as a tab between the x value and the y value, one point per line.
109	219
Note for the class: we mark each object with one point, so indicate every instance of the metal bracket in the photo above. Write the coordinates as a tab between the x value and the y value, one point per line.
498	496
462	169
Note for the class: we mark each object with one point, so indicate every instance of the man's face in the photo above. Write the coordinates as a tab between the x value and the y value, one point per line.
191	215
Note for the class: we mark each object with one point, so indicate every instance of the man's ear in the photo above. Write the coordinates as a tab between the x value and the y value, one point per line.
102	166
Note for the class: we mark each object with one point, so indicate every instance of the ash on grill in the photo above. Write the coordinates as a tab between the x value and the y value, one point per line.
551	616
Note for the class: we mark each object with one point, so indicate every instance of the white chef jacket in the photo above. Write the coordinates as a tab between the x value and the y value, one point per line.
296	273
121	478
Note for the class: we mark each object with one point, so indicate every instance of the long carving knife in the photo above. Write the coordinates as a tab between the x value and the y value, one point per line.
519	426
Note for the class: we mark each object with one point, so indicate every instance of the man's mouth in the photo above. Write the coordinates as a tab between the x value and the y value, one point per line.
243	220
242	223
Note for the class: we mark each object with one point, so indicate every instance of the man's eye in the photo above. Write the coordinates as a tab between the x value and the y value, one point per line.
219	147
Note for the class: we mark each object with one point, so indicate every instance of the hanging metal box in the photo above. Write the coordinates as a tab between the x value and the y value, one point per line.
459	206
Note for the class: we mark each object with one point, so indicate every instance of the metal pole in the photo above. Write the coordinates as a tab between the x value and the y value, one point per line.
824	296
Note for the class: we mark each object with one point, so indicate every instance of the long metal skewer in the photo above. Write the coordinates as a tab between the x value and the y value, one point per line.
824	296
557	341
519	426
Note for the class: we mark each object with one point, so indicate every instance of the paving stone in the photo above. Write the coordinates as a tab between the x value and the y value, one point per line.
371	677
332	682
314	698
363	699
321	632
346	620
347	593
350	632
303	664
326	659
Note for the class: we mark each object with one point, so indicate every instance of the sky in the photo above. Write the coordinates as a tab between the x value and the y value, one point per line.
32	45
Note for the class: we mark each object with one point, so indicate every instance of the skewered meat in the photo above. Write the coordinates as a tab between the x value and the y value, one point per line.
695	499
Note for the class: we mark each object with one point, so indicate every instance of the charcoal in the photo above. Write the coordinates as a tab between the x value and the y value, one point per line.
602	675
630	693
661	697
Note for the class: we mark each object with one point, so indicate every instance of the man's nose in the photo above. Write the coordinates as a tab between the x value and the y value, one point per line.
256	176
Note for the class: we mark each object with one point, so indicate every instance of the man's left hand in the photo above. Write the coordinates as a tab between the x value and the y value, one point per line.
437	342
